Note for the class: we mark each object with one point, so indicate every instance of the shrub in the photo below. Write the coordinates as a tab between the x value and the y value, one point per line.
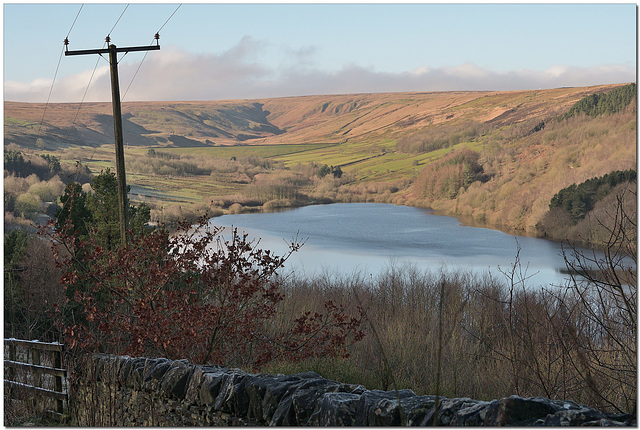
235	208
28	205
48	191
194	294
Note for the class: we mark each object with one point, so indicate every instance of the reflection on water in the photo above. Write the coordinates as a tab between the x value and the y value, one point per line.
365	237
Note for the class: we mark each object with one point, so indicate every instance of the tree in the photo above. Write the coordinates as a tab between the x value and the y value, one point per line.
14	162
579	199
31	287
604	104
603	347
103	205
324	171
54	164
73	218
27	205
15	243
193	294
98	210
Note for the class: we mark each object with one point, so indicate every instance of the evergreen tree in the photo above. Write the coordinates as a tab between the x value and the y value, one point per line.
97	212
14	163
578	200
103	205
74	217
604	104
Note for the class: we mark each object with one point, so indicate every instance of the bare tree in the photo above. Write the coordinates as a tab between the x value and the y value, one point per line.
603	344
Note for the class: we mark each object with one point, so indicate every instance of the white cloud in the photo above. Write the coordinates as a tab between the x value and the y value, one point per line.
173	74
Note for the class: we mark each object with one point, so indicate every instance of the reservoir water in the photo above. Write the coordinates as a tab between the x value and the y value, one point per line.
366	238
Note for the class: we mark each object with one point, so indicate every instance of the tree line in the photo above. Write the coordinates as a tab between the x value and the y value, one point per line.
579	199
33	183
450	176
604	104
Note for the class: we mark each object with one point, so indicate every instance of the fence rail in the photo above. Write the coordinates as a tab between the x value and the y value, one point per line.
24	359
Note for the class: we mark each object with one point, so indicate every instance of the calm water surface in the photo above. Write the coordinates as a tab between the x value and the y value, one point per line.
366	238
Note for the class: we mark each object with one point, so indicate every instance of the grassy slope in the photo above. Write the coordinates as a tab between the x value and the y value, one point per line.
358	132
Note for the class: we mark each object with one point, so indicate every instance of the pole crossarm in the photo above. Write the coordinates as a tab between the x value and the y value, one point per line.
113	51
107	50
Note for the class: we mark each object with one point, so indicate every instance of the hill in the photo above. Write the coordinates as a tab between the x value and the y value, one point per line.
495	158
292	120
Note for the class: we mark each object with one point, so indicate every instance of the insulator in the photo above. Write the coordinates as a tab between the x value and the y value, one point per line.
108	39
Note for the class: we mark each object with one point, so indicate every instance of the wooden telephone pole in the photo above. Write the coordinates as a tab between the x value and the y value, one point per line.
112	50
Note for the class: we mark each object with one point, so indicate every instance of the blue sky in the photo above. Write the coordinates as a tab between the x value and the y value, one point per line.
230	51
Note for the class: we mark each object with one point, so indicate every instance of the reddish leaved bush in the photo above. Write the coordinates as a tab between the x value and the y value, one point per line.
193	294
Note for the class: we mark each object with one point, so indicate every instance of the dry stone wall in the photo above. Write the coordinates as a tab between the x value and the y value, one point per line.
124	391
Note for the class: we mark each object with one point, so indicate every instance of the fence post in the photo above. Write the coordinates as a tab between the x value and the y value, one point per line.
35	359
57	362
12	357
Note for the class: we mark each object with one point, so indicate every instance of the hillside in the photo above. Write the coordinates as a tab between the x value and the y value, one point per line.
293	120
492	158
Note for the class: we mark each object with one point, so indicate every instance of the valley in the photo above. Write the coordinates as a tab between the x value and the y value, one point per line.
188	158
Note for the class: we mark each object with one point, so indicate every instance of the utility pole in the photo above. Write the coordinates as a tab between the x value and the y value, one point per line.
112	50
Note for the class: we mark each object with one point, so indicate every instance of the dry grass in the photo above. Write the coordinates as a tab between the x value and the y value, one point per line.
499	336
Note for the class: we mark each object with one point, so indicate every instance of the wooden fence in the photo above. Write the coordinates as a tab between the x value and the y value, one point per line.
36	367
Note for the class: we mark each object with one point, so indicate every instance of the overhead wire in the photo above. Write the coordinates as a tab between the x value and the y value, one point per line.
165	23
90	80
156	37
74	21
141	61
95	68
104	133
114	25
55	75
84	96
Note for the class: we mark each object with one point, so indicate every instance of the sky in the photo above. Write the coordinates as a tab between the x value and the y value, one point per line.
221	51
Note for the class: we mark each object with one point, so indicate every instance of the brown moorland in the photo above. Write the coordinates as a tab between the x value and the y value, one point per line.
289	120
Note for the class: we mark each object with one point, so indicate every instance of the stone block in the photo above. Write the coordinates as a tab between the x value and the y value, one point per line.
158	392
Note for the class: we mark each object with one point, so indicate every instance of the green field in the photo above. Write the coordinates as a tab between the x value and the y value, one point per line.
367	162
226	152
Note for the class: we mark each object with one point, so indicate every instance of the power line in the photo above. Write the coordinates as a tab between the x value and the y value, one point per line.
85	92
91	79
113	51
165	23
134	75
55	75
50	91
156	37
114	25
104	133
74	21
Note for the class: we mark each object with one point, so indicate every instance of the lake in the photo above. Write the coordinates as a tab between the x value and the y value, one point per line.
367	237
